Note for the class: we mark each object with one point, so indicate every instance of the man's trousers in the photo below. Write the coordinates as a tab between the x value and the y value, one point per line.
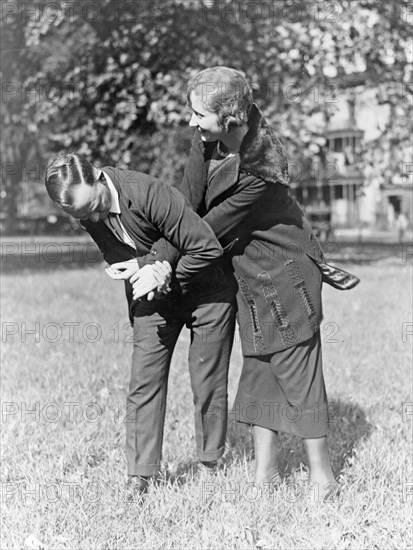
157	325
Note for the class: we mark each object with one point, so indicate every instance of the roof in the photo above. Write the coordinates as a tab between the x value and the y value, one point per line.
343	127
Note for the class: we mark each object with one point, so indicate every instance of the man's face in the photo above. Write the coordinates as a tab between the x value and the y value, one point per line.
206	121
91	202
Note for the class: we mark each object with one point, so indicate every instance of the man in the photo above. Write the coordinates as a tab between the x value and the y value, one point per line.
125	212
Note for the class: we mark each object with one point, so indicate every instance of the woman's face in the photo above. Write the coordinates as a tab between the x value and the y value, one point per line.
205	120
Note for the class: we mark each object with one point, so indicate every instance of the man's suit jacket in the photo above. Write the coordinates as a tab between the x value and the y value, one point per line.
150	211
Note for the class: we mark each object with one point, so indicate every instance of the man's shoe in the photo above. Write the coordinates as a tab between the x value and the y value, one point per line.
136	488
211	464
207	468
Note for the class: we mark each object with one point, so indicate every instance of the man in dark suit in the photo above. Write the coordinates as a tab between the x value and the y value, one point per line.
125	212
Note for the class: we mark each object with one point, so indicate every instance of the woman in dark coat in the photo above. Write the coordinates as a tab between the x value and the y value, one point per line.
237	179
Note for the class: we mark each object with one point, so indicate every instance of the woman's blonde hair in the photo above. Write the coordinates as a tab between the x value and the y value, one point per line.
224	91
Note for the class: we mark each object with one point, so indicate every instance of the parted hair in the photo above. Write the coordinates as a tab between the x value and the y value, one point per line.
224	91
64	174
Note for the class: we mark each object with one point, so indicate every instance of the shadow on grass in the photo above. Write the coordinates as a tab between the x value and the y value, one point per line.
348	427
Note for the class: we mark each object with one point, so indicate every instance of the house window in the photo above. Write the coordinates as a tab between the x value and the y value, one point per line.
396	202
312	194
338	192
326	194
338	145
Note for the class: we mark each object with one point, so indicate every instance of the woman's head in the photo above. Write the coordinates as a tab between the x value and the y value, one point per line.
223	91
72	182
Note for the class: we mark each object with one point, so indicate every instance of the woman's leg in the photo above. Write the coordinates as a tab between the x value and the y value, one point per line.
321	478
266	455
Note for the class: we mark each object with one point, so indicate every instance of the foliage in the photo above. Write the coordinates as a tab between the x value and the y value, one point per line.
108	80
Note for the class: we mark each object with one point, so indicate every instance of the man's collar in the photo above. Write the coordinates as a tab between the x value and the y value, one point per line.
115	208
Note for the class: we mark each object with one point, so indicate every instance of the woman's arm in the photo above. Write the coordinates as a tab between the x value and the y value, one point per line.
227	218
233	211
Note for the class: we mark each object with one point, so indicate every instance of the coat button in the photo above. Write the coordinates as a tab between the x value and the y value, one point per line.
154	252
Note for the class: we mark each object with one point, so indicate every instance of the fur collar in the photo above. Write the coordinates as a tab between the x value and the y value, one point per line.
262	153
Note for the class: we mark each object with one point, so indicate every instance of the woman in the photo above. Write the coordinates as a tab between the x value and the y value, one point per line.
236	177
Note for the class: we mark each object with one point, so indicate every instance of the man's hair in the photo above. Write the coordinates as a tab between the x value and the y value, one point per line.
64	174
225	92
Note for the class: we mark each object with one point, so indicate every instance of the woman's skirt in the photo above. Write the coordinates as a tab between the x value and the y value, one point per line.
285	391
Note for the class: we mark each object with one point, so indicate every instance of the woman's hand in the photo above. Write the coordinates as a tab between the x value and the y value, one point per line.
152	277
123	270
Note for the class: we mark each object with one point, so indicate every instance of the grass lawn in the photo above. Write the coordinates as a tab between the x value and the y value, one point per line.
63	394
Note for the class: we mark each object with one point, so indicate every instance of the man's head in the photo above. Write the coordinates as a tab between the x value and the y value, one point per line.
78	187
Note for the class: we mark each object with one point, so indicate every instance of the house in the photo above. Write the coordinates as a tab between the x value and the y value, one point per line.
358	185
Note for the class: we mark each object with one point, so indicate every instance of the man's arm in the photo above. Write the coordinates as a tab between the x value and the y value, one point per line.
168	211
194	183
193	188
228	216
112	249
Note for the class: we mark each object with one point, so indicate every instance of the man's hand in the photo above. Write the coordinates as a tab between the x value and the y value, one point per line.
123	270
152	277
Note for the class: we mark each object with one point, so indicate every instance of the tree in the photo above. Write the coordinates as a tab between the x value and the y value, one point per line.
20	144
114	88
